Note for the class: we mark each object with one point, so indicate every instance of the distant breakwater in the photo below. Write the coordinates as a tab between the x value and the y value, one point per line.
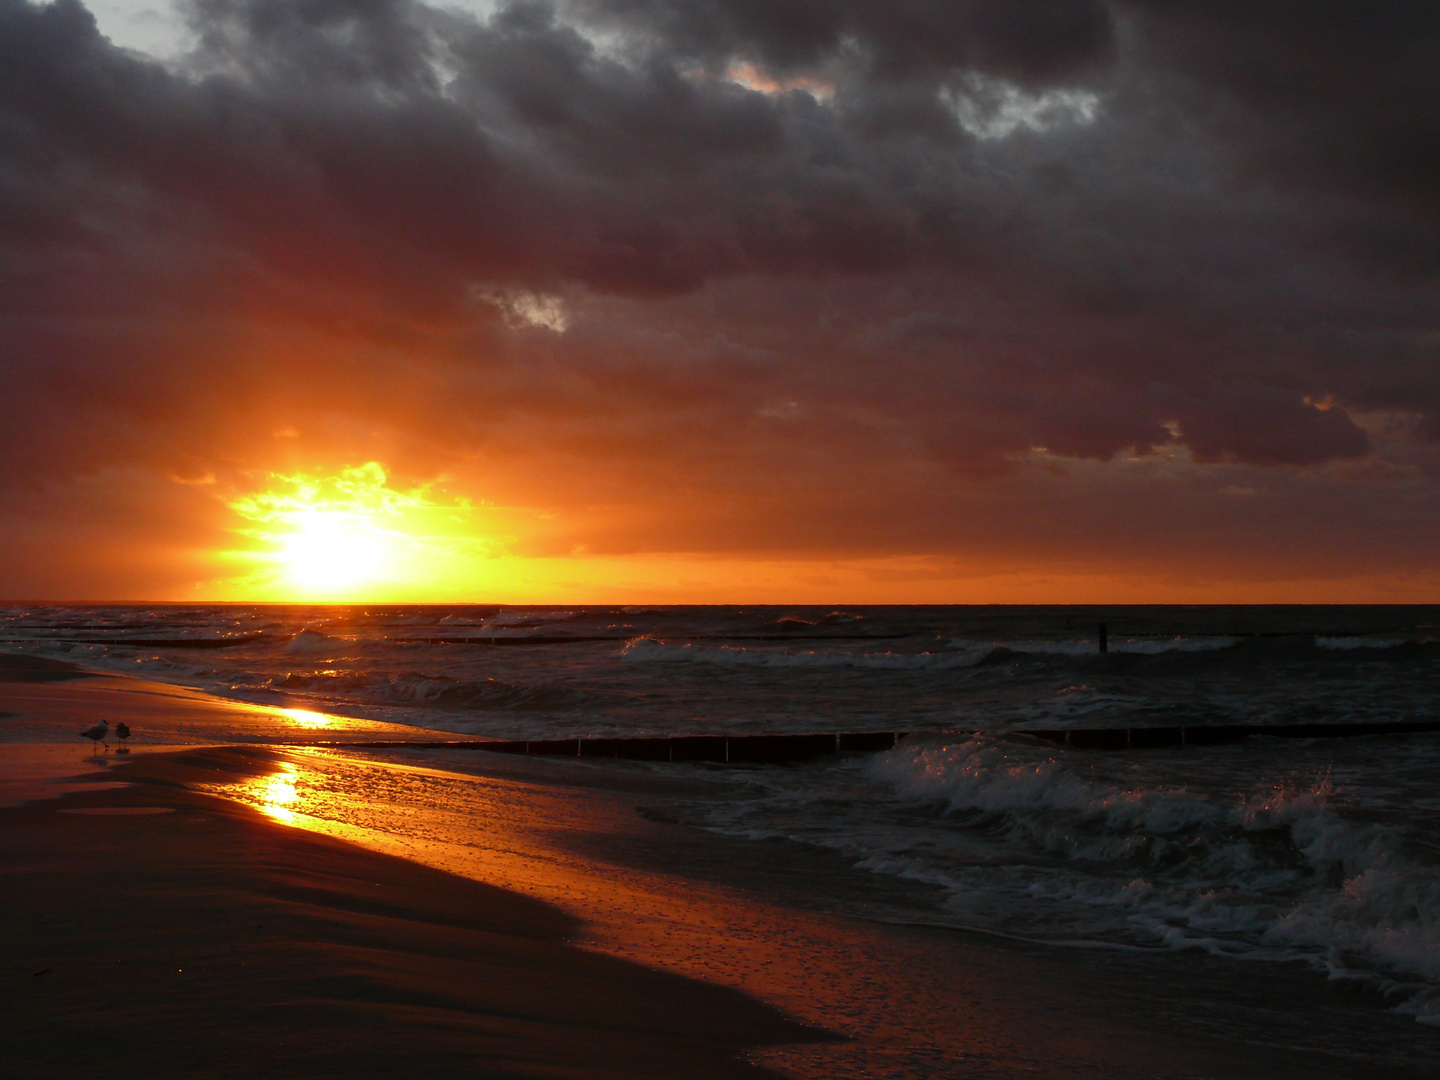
786	749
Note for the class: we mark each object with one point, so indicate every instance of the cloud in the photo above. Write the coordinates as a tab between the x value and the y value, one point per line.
1337	93
566	251
1032	40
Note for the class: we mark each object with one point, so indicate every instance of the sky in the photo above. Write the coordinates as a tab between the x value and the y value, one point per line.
731	301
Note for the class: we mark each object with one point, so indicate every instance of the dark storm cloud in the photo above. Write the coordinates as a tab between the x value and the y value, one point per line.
1343	92
1030	40
949	232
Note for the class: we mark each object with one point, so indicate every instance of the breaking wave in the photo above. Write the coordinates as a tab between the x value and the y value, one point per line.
416	689
649	650
1280	872
311	643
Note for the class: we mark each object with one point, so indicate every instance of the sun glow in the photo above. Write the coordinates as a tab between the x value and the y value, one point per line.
351	534
308	718
333	549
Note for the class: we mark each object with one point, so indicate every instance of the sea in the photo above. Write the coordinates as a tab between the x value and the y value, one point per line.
1317	851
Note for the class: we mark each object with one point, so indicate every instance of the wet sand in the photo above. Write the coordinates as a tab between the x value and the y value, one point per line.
156	932
157	929
49	700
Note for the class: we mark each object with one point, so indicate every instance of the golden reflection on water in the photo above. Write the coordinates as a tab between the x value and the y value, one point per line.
275	794
906	1004
308	719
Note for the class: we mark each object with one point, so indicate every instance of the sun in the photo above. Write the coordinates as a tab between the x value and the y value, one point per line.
331	550
350	536
337	536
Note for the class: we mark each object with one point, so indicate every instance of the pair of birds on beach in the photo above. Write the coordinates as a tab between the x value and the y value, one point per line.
97	735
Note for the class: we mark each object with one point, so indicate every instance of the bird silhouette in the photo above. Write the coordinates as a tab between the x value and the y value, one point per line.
122	732
97	734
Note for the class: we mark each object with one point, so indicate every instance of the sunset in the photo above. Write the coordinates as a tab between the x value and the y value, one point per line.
693	305
335	537
801	540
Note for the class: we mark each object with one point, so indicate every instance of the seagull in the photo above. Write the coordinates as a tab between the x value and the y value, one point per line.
97	733
122	732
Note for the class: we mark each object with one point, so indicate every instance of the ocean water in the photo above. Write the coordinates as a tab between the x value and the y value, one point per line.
1319	852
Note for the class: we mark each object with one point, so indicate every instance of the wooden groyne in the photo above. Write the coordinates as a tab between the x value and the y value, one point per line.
718	749
575	639
787	749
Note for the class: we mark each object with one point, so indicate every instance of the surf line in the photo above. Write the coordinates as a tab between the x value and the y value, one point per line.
1141	738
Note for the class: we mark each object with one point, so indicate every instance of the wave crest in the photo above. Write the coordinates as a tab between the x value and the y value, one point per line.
413	688
311	643
1283	869
650	650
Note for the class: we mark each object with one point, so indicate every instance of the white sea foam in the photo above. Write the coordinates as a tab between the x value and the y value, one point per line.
1276	872
988	775
165	668
1344	643
527	618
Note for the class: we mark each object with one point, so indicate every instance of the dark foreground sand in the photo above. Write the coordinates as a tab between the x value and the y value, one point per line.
208	940
154	930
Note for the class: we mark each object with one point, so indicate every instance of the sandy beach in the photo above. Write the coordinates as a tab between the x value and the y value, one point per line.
181	913
160	933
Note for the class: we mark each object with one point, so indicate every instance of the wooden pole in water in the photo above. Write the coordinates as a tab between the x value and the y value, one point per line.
1104	637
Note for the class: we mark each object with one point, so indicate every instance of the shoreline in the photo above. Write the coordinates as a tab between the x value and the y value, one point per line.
720	915
158	930
168	932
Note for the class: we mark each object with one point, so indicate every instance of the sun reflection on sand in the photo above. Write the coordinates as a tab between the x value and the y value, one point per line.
535	838
276	793
308	719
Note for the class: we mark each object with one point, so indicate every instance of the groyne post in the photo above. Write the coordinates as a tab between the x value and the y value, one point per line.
1104	637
